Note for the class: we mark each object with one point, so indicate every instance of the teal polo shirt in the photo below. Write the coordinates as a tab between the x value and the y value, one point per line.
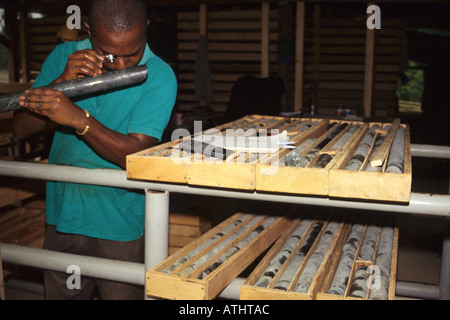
96	211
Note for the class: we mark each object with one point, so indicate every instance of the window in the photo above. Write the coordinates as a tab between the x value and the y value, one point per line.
410	88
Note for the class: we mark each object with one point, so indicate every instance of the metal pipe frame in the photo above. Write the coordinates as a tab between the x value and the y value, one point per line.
430	151
157	222
128	272
420	203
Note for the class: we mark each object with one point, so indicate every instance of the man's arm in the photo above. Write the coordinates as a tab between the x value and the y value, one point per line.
80	64
115	146
110	144
26	123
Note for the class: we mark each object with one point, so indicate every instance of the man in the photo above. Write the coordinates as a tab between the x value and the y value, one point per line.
98	132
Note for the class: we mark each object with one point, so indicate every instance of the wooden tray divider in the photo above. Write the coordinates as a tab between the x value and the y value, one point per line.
258	244
254	223
261	267
314	132
308	255
372	153
230	260
335	261
366	160
357	263
393	272
194	244
187	263
376	185
250	291
336	242
164	282
327	149
323	294
349	145
380	157
292	255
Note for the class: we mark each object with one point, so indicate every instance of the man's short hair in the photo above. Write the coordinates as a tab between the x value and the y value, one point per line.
117	15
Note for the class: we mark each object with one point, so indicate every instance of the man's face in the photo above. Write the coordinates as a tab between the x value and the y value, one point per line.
127	47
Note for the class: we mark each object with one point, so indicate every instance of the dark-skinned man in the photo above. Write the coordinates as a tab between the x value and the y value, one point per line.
99	132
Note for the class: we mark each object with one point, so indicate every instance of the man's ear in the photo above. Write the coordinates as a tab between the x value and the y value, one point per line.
88	28
148	22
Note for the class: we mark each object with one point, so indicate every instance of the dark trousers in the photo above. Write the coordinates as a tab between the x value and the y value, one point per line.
56	283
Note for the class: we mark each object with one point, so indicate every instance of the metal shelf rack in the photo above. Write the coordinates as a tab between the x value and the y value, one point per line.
157	216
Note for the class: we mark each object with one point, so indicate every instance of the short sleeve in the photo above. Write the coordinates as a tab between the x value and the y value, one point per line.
152	112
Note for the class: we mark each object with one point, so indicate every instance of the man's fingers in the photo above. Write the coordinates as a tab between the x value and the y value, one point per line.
83	63
42	91
89	59
38	98
35	102
36	91
88	54
88	71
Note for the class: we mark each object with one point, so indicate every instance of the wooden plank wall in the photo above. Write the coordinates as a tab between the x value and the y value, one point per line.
235	49
390	61
22	211
244	41
335	57
42	39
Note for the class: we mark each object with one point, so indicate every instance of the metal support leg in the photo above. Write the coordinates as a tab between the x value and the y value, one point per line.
444	279
156	227
2	287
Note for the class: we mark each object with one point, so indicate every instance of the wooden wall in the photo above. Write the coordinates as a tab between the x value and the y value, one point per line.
333	71
335	59
235	39
42	39
243	39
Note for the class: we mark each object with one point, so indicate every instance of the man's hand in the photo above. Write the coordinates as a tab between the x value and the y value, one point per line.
110	144
55	105
81	64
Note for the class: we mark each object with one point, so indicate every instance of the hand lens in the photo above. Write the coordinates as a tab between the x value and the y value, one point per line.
109	58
